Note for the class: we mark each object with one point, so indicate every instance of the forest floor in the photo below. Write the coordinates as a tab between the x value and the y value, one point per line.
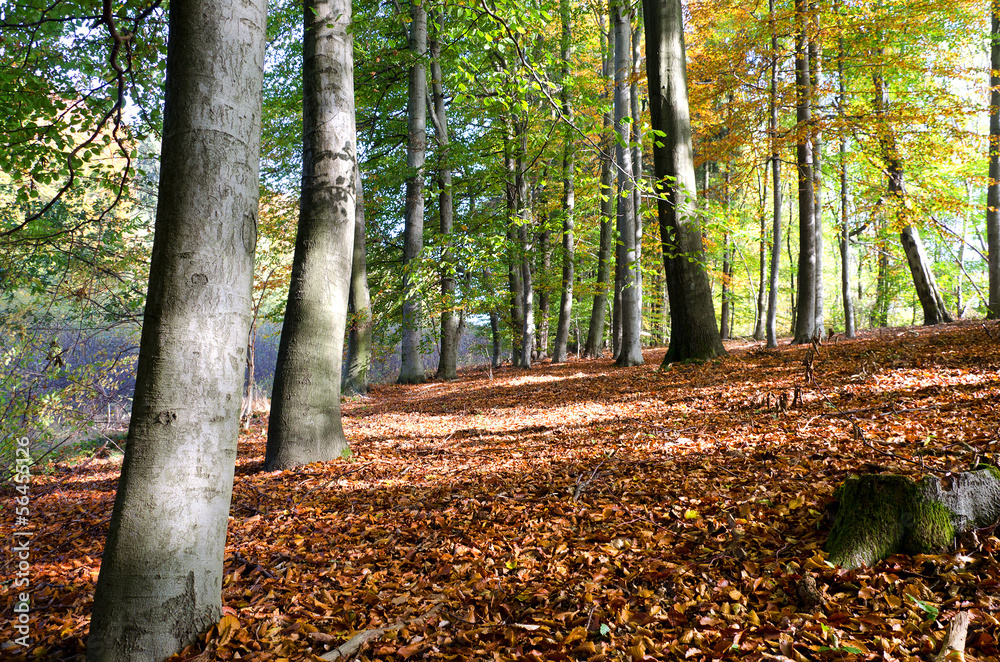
584	512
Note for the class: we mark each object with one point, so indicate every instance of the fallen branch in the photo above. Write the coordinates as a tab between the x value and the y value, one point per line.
354	644
953	647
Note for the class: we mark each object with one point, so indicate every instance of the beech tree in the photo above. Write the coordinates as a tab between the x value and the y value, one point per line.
694	332
993	184
160	584
569	191
359	333
629	232
304	425
411	369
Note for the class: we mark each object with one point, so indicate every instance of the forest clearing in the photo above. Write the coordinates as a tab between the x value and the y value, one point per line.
585	512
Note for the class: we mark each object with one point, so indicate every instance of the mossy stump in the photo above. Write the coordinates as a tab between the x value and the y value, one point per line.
884	514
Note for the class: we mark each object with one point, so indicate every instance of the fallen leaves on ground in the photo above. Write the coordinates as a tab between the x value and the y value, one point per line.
585	512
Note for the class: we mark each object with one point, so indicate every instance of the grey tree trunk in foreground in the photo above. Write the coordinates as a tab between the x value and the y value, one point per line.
411	369
160	585
881	514
305	425
359	333
694	332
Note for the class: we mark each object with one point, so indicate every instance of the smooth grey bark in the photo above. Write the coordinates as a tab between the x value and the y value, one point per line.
637	167
495	356
160	584
411	370
845	234
772	130
694	333
725	321
924	282
451	316
605	251
761	303
525	236
805	313
993	186
304	425
544	305
568	195
629	231
935	312
359	334
514	282
815	64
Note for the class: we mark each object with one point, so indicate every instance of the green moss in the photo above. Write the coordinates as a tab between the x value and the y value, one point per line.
931	530
869	525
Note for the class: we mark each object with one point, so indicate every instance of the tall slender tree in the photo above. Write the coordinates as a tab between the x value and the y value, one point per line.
304	425
411	369
805	314
451	317
993	186
694	333
569	190
359	333
772	134
161	572
629	232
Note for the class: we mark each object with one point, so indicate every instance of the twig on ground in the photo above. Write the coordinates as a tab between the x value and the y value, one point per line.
354	644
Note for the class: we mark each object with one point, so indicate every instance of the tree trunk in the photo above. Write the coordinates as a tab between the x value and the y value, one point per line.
304	424
569	195
933	306
694	333
878	515
815	53
606	250
544	247
160	583
630	233
935	312
772	129
805	313
993	185
411	370
636	127
359	335
758	328
724	321
451	317
525	235
845	235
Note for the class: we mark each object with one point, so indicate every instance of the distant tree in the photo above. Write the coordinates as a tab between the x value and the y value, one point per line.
359	334
694	332
806	302
161	573
569	192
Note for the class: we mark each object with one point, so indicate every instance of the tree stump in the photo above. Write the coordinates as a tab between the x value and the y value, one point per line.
882	514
